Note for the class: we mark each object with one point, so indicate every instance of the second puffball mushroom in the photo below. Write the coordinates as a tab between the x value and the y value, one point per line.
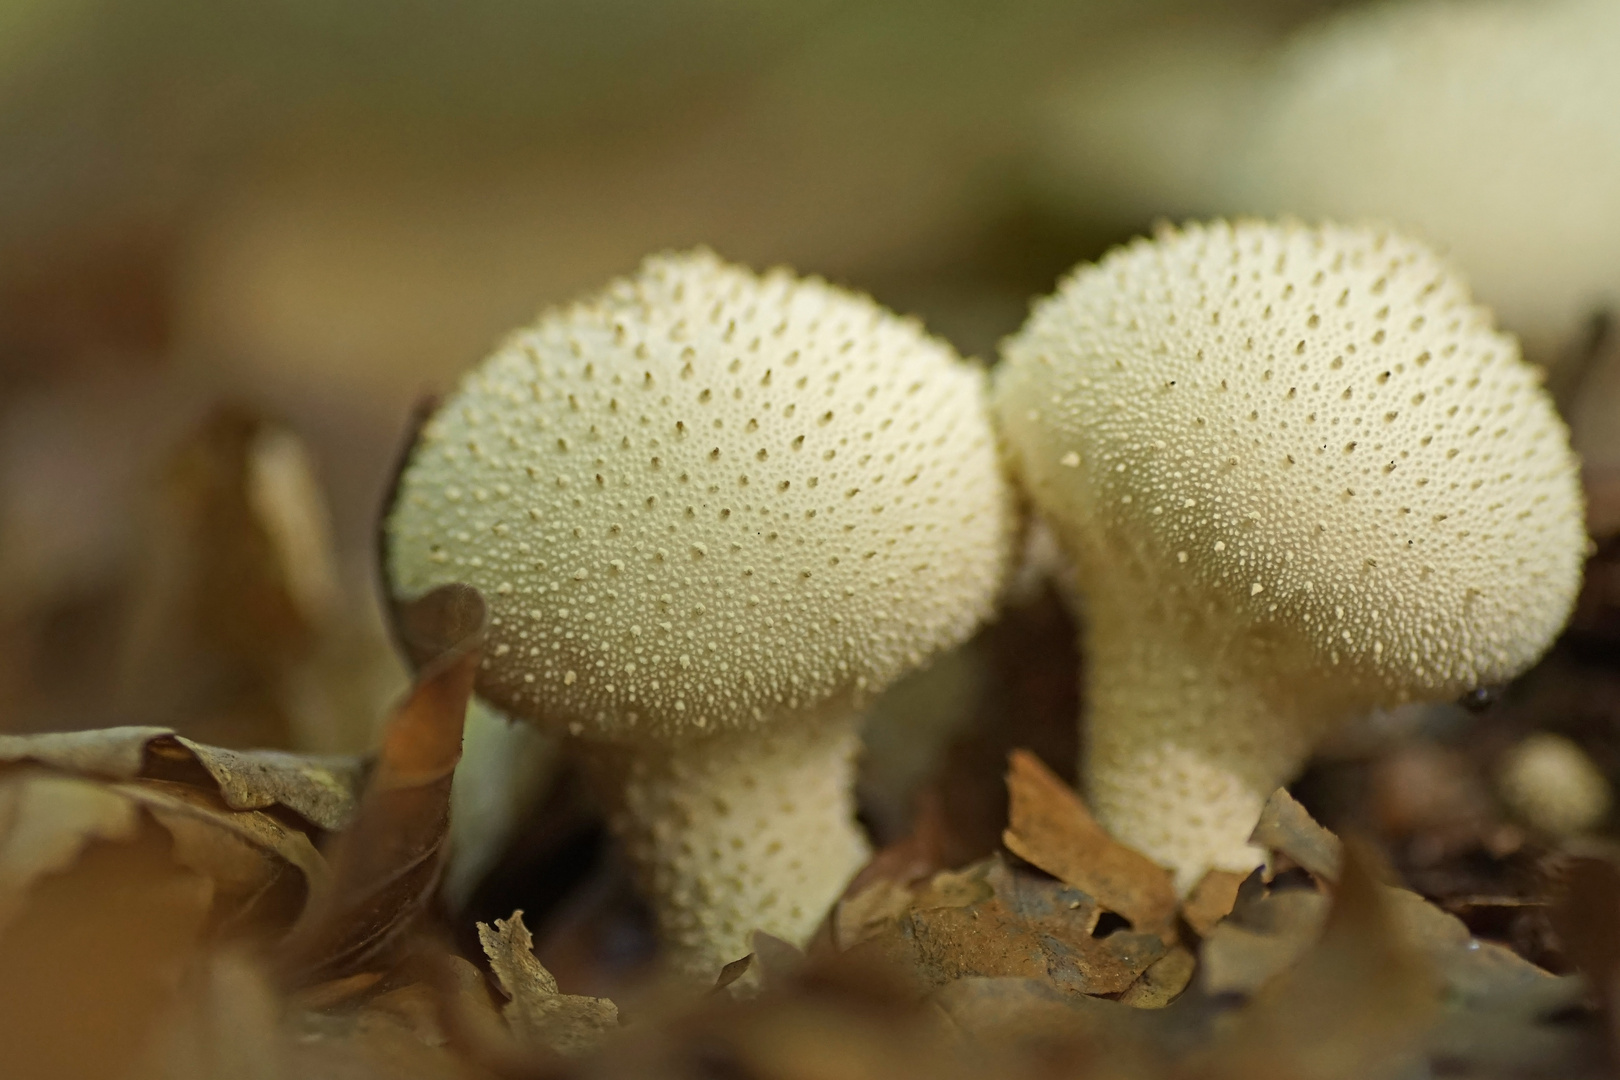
1299	475
713	514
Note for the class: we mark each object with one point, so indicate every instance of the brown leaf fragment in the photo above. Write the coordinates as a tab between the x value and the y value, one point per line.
94	958
1162	982
1287	828
227	1023
398	1035
1211	900
322	790
46	822
386	864
884	887
569	1024
997	920
1472	970
732	972
263	869
1050	827
1357	1007
118	752
245	854
779	961
334	992
1587	916
865	914
1266	933
1011	1011
234	584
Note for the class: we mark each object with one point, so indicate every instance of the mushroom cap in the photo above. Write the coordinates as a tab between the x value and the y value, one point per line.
704	499
1310	436
1493	127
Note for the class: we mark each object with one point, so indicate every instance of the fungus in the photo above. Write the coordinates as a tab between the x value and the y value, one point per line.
1492	127
1554	785
713	514
1299	476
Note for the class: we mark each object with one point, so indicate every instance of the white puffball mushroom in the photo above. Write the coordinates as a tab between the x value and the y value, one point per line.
1493	127
1551	783
1299	475
713	514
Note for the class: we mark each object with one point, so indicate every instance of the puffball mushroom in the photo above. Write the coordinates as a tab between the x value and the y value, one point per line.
1550	782
1494	127
713	514
1299	476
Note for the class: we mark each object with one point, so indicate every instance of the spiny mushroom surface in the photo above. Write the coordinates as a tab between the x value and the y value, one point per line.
1492	126
713	513
1299	475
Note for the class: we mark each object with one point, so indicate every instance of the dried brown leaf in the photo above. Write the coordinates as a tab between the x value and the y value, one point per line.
235	584
46	823
1050	827
94	958
732	973
396	1035
1267	933
865	914
1358	1006
540	1015
1164	981
1211	900
245	854
47	820
386	864
1014	1011
1287	828
997	920
322	790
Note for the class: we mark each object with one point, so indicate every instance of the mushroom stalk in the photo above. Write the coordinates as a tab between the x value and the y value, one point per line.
736	832
1184	740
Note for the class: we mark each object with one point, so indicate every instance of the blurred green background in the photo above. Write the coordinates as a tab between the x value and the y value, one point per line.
328	209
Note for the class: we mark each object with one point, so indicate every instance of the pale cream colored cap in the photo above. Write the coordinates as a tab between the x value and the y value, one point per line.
708	499
1309	434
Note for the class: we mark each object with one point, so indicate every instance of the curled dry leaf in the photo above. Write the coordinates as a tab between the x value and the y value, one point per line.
230	1021
1163	981
1272	926
539	1013
1287	829
236	585
386	864
1211	900
224	813
994	919
1357	1006
1050	827
1013	1011
1266	933
90	960
322	790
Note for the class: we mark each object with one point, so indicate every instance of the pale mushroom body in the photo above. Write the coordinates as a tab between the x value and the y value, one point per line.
1299	475
713	513
1492	127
